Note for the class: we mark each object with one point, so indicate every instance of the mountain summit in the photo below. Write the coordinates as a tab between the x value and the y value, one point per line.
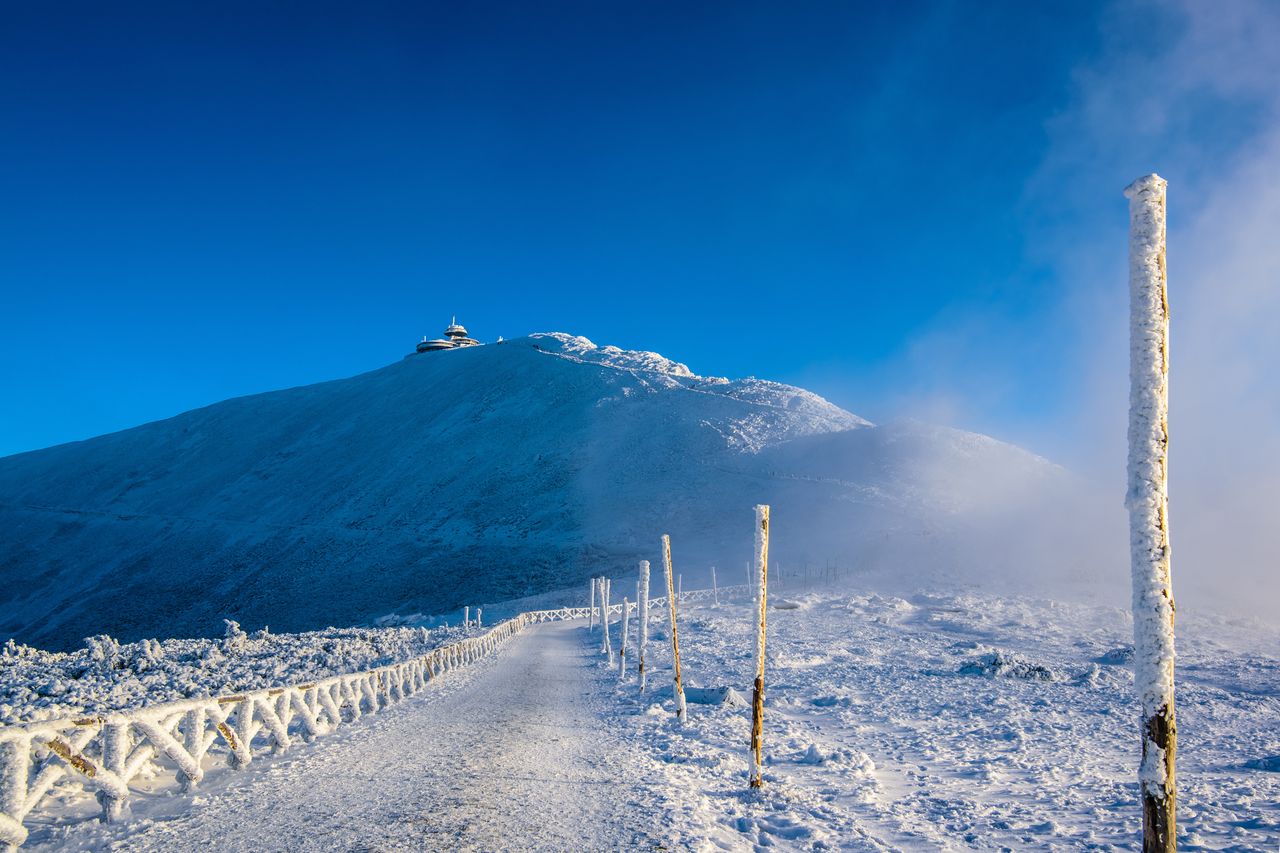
477	473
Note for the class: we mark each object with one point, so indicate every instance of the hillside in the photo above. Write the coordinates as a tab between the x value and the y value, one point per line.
476	474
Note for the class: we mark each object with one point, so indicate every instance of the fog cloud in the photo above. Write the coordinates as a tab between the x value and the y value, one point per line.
1190	92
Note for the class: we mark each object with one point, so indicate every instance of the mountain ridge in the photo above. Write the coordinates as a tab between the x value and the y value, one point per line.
482	473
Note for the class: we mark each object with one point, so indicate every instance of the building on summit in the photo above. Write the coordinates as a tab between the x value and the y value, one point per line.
454	336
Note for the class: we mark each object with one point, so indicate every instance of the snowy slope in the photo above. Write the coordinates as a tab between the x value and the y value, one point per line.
483	473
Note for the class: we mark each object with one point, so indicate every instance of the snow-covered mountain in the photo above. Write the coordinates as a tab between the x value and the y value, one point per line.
477	474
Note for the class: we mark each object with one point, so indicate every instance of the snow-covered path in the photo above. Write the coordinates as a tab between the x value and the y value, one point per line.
510	754
940	723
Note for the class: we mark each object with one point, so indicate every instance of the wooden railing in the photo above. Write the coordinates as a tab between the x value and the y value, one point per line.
105	753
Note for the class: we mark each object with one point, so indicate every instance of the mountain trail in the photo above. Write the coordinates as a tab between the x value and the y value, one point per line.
511	754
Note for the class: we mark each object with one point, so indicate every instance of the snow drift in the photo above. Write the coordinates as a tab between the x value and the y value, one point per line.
476	474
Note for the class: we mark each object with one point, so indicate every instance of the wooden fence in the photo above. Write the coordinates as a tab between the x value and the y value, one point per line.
104	753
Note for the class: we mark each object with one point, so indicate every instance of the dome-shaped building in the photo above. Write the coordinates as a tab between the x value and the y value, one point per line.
455	335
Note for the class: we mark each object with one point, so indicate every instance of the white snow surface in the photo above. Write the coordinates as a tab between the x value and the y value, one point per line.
885	729
485	474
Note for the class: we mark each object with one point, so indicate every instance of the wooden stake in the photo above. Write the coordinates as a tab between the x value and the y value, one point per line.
681	713
762	599
605	648
1148	505
715	593
622	647
591	612
643	615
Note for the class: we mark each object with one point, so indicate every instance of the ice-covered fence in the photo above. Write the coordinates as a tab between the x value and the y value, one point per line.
696	595
105	753
693	595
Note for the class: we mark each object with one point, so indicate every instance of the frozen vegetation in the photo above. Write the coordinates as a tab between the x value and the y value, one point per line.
106	675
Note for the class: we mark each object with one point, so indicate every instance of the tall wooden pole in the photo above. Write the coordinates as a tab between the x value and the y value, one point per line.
622	646
715	593
762	600
591	611
644	621
606	648
1148	503
681	713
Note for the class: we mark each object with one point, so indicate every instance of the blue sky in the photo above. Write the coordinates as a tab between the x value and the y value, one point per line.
911	208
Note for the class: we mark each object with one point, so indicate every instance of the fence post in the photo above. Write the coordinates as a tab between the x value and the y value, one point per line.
15	770
115	752
591	613
762	600
643	615
193	723
605	647
622	647
1148	504
715	593
681	713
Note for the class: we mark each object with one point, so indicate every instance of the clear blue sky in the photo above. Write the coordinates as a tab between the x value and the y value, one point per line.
198	204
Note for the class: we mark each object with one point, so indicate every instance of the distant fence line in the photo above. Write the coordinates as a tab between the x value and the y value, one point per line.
106	752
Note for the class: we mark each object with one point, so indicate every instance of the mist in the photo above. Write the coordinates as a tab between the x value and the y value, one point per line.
1199	64
1186	90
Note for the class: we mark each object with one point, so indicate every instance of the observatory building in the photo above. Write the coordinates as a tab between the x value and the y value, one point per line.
455	336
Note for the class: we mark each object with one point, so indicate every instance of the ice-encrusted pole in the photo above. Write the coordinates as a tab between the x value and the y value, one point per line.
681	713
605	648
643	615
1147	500
762	600
466	616
715	593
591	611
622	647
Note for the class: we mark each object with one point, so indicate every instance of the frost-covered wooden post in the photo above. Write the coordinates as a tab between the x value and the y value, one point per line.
479	617
15	771
715	593
681	713
762	600
466	617
115	753
1148	504
680	587
643	626
193	723
622	647
605	648
591	611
